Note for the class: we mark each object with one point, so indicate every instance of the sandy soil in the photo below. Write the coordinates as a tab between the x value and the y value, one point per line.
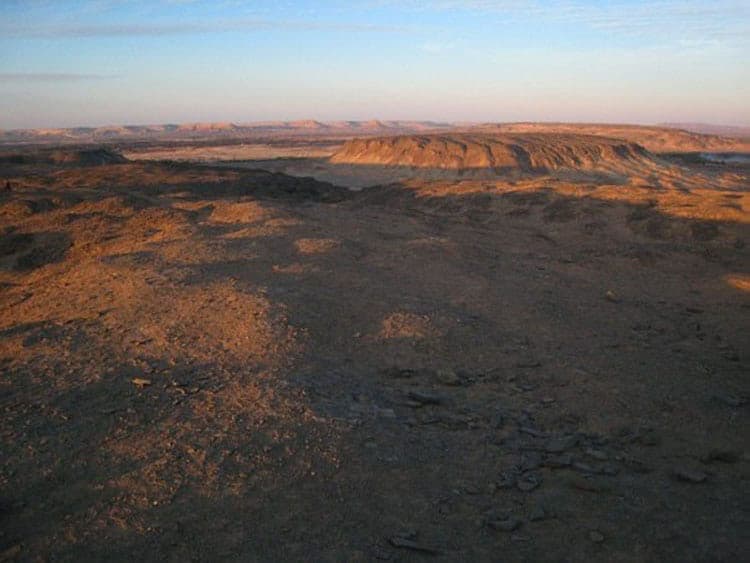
203	363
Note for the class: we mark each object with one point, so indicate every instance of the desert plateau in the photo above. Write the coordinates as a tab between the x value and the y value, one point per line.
516	343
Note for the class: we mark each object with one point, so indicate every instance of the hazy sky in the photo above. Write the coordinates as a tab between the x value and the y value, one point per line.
94	62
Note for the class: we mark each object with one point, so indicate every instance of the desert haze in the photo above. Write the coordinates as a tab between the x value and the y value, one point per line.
374	342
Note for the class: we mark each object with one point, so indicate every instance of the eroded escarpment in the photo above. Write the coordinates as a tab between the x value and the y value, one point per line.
526	153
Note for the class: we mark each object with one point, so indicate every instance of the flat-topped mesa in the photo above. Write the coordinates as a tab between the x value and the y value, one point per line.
523	152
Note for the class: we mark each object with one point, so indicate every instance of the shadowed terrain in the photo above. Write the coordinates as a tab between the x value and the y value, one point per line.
203	362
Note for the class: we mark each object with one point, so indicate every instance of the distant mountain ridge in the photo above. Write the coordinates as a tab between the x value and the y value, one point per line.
211	130
674	137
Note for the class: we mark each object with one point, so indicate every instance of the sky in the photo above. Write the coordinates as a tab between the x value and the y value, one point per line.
66	63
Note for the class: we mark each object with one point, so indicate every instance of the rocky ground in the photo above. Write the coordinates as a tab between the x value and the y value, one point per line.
200	363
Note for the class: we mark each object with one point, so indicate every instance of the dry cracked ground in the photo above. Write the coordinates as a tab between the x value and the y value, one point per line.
208	364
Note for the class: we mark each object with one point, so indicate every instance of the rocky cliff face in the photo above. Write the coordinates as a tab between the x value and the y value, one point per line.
523	152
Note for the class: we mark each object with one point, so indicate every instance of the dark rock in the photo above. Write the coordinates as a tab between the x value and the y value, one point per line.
426	398
458	421
596	454
730	400
645	436
559	444
528	482
503	435
538	513
498	421
530	461
509	524
448	377
532	432
400	373
404	543
724	456
507	480
589	485
583	467
689	475
609	469
634	464
558	461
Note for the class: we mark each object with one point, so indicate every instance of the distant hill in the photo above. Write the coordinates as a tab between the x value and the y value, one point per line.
709	129
62	157
657	139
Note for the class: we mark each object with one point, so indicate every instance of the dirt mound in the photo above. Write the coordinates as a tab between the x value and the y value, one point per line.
95	157
530	153
20	208
26	251
77	157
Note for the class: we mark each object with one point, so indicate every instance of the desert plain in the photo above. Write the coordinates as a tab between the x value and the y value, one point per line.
375	341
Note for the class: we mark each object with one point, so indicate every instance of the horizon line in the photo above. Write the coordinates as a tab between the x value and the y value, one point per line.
329	122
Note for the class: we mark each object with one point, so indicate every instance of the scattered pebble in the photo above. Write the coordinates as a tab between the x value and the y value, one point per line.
141	383
448	377
611	296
